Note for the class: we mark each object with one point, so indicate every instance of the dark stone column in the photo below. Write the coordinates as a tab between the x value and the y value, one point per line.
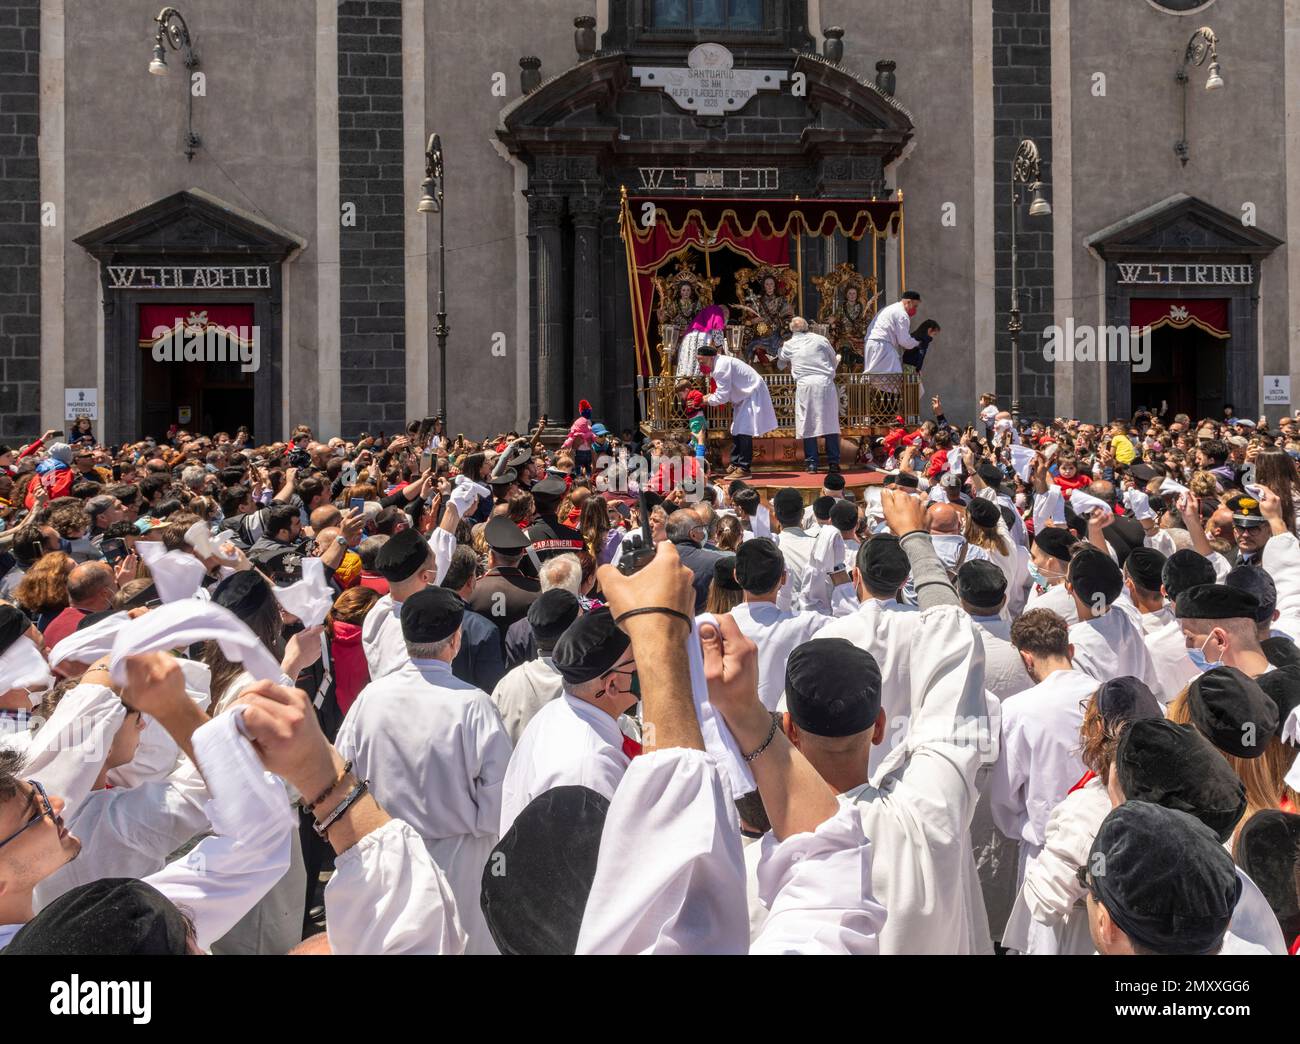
545	219
588	370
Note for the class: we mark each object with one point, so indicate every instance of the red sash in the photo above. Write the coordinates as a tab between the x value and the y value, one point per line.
631	747
1087	778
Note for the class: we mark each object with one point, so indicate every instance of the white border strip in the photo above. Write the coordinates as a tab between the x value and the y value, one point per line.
329	411
50	148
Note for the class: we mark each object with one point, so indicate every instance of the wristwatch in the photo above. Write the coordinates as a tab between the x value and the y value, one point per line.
342	541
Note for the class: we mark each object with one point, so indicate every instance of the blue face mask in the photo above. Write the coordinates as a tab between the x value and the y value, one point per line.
1198	656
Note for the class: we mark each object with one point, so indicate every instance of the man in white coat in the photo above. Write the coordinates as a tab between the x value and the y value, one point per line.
1106	642
812	363
435	751
575	740
890	334
743	387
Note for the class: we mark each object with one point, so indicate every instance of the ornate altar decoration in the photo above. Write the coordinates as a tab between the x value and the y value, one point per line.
766	297
680	295
849	301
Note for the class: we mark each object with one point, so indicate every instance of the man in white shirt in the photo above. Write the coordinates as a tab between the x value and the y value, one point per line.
435	750
833	487
1218	623
1141	600
575	740
760	571
409	563
982	587
890	335
533	684
827	587
796	545
1040	757
1049	558
1106	643
812	363
886	628
1174	668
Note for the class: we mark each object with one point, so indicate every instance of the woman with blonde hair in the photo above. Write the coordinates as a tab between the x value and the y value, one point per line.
1238	718
729	534
725	592
44	588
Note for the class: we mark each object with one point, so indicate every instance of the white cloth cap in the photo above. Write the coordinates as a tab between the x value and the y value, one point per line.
1170	486
177	575
1138	504
184	623
310	598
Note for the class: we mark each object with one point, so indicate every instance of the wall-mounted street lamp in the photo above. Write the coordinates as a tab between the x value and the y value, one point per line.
1025	170
172	28
431	202
1203	44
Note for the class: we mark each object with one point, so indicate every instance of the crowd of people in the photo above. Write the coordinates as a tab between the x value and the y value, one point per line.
1030	686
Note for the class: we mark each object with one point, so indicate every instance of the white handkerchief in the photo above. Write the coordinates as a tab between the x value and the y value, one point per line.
311	597
1085	504
182	624
466	495
177	575
90	643
150	550
1138	504
718	740
954	459
1022	458
199	537
762	522
1170	486
23	667
938	496
1291	734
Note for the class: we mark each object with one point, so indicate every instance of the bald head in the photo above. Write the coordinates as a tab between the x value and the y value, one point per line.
91	586
943	518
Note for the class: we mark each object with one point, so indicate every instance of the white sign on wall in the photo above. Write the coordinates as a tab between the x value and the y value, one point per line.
710	85
1277	390
81	402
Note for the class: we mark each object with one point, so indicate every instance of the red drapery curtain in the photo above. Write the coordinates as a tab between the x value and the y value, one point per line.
1207	314
222	316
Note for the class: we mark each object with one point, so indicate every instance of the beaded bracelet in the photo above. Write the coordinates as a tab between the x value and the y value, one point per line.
330	789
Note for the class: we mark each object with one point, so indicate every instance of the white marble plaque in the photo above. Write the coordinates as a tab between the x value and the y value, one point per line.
710	85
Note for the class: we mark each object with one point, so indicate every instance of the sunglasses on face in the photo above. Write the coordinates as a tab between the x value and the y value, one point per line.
44	808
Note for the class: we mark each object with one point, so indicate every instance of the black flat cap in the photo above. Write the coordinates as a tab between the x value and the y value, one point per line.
1168	883
1216	602
844	515
1175	766
1185	568
1126	699
431	615
1255	581
883	563
1282	686
589	647
759	564
982	584
1144	472
822	508
1055	541
118	917
505	478
519	457
402	556
551	614
550	487
990	473
832	687
834	481
503	535
983	513
724	573
1094	575
1145	566
536	881
904	479
243	593
1232	712
1268	850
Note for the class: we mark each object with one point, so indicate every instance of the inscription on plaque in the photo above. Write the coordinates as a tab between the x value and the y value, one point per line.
710	85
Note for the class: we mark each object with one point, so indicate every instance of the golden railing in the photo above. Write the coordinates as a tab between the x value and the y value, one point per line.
868	403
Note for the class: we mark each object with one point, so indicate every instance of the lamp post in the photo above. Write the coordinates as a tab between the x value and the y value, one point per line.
1025	170
1203	44
172	28
431	202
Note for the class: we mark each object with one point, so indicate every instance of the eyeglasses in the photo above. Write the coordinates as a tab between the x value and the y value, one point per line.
46	809
1084	878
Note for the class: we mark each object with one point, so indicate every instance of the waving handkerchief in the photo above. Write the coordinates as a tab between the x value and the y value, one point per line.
465	497
182	624
1085	504
1022	459
718	740
1138	504
177	575
150	550
954	459
90	643
1170	486
23	667
938	496
311	597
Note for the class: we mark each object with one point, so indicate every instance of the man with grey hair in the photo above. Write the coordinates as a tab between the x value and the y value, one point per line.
368	551
687	532
435	751
103	509
194	478
563	571
812	363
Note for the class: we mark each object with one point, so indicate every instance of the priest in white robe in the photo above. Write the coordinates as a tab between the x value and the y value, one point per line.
575	740
742	387
435	750
812	362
